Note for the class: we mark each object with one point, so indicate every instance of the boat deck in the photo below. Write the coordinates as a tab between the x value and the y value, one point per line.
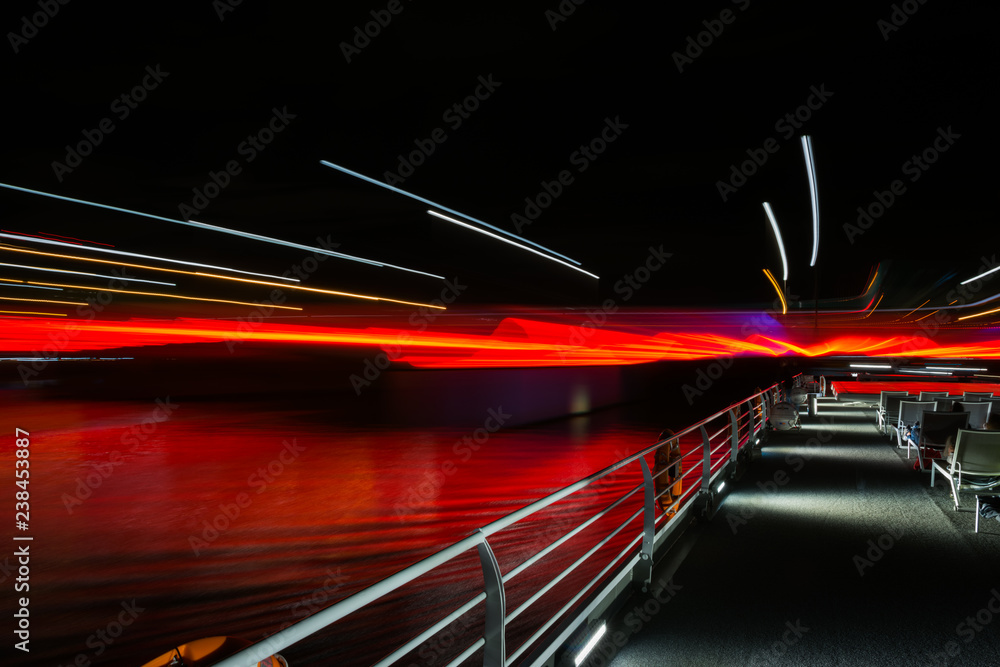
830	550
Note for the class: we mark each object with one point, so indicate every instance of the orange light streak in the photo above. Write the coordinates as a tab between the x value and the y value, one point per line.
221	277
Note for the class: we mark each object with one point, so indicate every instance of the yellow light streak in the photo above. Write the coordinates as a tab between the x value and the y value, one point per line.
168	296
875	306
784	305
987	312
30	312
221	277
65	303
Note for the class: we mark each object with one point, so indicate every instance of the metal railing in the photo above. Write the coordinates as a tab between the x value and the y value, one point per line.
704	457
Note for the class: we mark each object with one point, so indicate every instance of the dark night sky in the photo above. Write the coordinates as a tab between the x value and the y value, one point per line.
656	184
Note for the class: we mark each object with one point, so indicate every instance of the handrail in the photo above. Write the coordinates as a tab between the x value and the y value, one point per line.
493	594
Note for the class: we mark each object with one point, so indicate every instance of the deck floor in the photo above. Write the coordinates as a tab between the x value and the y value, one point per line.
829	550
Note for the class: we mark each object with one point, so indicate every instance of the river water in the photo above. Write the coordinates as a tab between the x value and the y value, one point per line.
158	522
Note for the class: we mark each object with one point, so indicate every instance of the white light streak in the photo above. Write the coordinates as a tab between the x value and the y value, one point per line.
93	275
445	208
8	282
216	228
513	243
135	254
807	150
870	366
909	370
966	282
777	237
954	368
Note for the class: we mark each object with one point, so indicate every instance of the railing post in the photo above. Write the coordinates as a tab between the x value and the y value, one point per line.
734	420
495	652
644	568
706	466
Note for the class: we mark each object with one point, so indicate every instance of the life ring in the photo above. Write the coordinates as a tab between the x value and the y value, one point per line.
667	473
209	651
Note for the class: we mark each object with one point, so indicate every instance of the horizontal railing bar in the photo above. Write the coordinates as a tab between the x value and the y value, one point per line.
579	561
324	617
429	632
467	652
562	540
569	605
719	432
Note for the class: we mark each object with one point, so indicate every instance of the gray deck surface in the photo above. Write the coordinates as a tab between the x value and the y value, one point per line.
852	560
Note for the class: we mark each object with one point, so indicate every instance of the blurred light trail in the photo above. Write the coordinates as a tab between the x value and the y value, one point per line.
513	343
784	305
166	296
224	230
65	303
58	236
867	315
807	150
156	259
317	290
777	237
988	312
966	282
31	312
444	208
10	282
215	276
513	243
92	275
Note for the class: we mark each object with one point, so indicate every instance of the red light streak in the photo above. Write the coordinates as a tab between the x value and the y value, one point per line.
514	343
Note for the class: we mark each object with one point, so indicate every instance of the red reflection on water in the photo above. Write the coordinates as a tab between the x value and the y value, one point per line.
235	519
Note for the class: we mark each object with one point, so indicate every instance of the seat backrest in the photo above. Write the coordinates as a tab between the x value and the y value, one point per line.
892	407
910	411
976	395
978	452
936	427
932	395
945	404
978	413
882	396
